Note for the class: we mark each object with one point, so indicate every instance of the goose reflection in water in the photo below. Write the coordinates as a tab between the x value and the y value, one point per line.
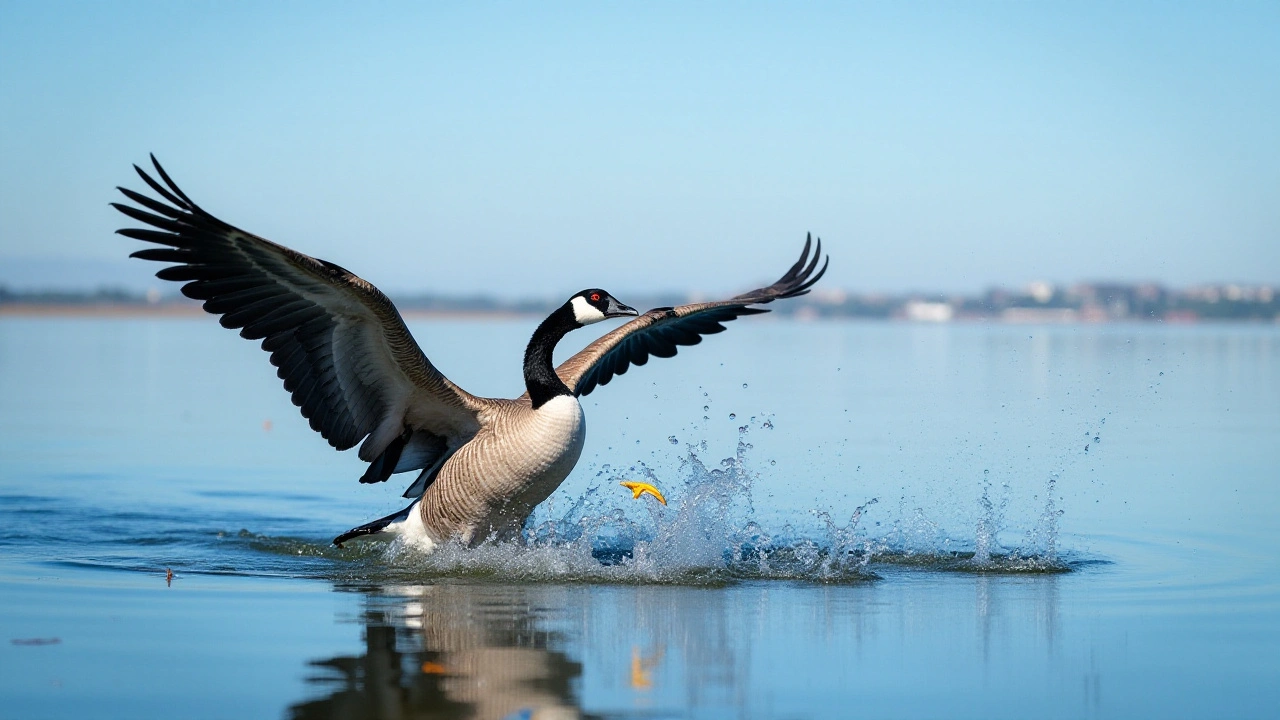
459	649
448	651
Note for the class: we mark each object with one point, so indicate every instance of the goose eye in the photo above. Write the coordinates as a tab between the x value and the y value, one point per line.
595	297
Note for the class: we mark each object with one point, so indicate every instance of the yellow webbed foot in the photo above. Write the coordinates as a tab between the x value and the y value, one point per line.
639	488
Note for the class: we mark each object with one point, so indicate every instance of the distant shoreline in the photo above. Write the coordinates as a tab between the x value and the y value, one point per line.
1036	304
169	310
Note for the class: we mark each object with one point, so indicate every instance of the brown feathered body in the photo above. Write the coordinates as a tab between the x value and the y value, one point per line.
490	486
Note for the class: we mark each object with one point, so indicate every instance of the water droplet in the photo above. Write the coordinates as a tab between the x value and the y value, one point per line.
706	408
744	385
1162	372
733	416
773	462
768	425
673	440
1097	438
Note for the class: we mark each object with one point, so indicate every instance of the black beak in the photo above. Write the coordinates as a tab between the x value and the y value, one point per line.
617	309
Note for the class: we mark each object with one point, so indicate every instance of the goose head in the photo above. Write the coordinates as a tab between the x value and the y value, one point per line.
594	305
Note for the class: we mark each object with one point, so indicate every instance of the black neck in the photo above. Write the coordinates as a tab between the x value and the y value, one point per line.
540	377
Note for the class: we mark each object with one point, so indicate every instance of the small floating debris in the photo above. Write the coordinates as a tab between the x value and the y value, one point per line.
36	642
640	488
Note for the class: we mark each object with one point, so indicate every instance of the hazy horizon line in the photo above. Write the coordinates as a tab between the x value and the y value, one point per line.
96	275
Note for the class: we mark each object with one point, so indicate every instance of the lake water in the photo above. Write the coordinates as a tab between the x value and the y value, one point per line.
879	520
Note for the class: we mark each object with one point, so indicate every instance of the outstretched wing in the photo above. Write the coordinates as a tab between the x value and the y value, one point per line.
661	331
341	347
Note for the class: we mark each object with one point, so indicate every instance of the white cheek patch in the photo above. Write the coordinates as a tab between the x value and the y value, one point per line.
584	312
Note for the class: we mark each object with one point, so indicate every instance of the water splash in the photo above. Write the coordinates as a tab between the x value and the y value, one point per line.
990	523
710	534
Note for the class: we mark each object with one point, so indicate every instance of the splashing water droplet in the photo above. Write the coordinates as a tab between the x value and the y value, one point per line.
733	416
706	408
768	425
673	440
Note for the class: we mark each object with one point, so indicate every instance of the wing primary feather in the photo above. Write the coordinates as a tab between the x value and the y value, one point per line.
174	186
210	289
804	289
153	236
184	273
147	202
164	223
804	257
160	188
162	254
226	302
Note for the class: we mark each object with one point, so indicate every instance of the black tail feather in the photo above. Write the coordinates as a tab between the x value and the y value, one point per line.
374	527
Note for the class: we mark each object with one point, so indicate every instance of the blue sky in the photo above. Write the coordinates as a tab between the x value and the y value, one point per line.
535	149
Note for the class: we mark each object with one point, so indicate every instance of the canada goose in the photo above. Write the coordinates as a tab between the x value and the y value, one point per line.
352	367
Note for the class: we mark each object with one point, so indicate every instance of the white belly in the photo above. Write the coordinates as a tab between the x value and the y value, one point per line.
412	531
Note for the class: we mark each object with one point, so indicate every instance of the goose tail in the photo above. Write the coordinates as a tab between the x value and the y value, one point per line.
377	526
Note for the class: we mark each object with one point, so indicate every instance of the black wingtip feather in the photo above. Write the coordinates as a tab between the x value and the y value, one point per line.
161	255
147	202
174	186
160	189
813	281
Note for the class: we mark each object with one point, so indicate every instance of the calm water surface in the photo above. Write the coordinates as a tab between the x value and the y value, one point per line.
879	520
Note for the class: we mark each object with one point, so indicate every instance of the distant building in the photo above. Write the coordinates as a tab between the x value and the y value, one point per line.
921	311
